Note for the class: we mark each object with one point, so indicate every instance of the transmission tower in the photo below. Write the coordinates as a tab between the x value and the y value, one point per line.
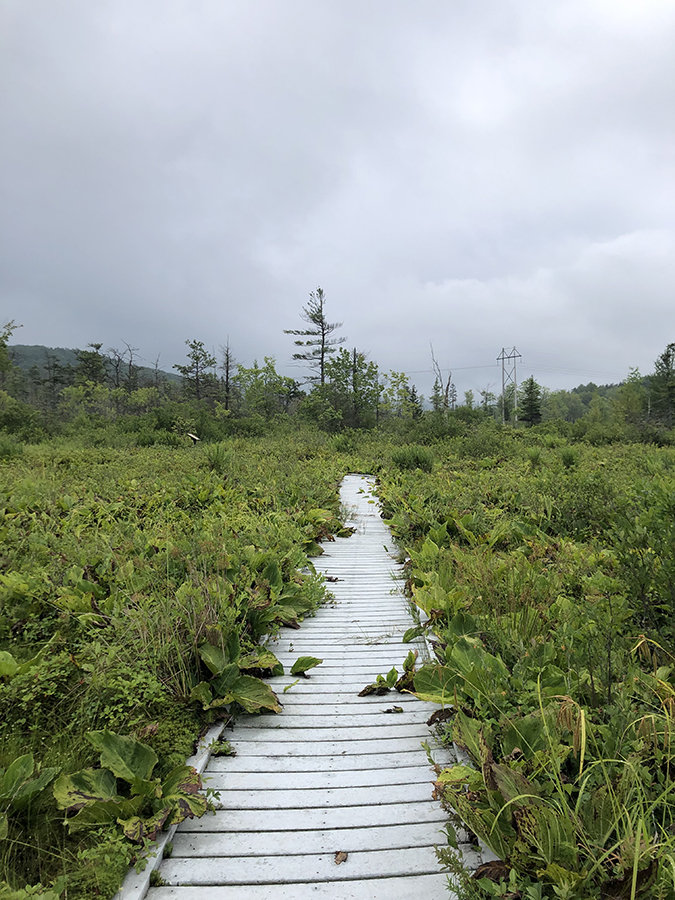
509	377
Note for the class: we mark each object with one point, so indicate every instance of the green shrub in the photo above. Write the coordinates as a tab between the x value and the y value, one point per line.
569	457
534	457
218	457
412	457
9	447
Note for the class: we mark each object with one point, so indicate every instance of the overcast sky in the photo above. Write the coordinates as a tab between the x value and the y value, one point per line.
476	173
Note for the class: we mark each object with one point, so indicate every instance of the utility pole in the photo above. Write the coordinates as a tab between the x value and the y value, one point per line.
509	377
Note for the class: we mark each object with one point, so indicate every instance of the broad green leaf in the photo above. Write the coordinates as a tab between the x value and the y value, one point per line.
181	792
272	575
512	785
261	658
84	788
30	788
125	757
466	733
528	734
215	658
222	683
253	694
8	665
436	684
413	633
304	663
232	647
18	772
392	677
312	548
202	693
462	624
138	830
104	812
457	775
149	789
4	826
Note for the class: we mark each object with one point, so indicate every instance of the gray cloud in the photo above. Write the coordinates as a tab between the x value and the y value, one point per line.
475	175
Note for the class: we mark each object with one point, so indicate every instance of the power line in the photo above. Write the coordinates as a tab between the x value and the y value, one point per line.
453	369
561	370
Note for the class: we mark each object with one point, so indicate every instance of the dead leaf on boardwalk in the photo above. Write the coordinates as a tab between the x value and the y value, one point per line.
393	709
340	857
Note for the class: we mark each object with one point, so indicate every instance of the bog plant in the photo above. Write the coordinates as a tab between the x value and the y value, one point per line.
411	457
143	806
548	601
138	588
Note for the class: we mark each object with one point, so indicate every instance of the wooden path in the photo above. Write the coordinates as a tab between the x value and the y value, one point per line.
334	773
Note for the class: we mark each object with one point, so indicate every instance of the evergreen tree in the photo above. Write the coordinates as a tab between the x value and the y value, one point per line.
198	382
662	386
319	342
415	403
91	365
529	408
6	364
352	388
437	397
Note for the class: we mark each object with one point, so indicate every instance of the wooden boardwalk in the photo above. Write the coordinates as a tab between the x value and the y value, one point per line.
334	773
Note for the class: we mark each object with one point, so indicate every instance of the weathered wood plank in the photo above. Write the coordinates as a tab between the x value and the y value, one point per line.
271	748
289	843
249	820
424	887
370	732
321	798
319	867
312	763
274	781
358	720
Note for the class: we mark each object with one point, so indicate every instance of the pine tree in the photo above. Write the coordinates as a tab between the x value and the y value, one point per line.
91	365
529	409
197	380
662	385
319	342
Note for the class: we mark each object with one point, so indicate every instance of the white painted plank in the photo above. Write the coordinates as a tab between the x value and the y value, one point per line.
311	763
379	704
361	719
320	867
238	821
372	732
273	748
289	843
320	798
275	781
422	887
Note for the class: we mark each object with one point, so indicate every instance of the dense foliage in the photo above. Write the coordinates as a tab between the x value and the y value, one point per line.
135	588
544	577
123	403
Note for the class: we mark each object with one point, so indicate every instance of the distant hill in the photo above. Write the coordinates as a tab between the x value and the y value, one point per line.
25	356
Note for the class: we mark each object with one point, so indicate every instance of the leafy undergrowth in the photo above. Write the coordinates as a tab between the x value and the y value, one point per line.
547	590
136	587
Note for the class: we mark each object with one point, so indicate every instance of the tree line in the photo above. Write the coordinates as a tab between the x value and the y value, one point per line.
342	389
